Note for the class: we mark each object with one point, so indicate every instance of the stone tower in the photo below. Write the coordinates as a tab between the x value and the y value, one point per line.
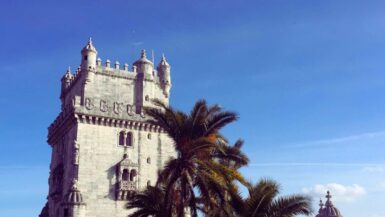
102	147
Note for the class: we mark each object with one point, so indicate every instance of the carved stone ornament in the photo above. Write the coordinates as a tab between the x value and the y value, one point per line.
103	106
89	104
76	154
130	110
118	107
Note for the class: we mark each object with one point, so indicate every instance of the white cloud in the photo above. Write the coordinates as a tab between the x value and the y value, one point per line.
338	191
377	215
374	169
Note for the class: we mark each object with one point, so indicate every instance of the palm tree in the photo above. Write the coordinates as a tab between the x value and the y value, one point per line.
262	201
231	157
149	202
197	168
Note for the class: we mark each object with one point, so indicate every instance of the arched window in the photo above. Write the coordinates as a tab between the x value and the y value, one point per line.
125	175
149	136
149	160
129	139
132	175
121	138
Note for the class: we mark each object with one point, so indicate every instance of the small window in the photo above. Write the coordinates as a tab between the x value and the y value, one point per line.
129	139
121	138
125	175
85	57
149	160
65	212
147	98
148	183
132	175
149	136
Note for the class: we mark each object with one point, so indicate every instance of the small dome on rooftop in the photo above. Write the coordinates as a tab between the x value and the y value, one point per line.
143	59
163	61
328	209
89	46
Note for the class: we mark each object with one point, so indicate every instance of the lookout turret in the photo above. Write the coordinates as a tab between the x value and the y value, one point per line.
88	56
144	66
164	75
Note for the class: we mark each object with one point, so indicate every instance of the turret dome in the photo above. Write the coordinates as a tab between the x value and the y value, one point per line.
163	62
89	46
328	209
143	59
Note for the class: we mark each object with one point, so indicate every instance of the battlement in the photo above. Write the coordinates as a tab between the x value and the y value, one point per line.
117	71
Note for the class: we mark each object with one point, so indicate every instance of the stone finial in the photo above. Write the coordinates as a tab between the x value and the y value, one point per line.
99	62
125	67
328	196
143	54
163	61
89	46
108	63
68	74
117	65
74	185
321	203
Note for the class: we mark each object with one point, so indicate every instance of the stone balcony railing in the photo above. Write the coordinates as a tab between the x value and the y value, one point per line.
127	185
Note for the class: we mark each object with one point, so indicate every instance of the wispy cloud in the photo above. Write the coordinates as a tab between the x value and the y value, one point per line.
340	192
137	43
377	215
374	169
312	164
347	139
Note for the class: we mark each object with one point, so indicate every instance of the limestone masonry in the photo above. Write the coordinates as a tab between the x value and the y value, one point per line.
102	147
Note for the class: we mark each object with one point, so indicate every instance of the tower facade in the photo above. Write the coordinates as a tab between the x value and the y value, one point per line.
102	147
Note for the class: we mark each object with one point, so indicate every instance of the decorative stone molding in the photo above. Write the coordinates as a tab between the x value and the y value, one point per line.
127	174
74	196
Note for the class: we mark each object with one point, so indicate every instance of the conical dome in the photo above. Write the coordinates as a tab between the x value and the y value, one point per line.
328	210
143	59
89	46
163	62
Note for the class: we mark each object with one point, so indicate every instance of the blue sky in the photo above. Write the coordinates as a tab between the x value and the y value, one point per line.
306	77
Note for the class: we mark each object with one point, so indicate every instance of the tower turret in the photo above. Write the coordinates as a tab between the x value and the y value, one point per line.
164	75
143	65
66	79
89	54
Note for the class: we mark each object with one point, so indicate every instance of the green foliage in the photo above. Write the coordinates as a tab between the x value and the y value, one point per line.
204	176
